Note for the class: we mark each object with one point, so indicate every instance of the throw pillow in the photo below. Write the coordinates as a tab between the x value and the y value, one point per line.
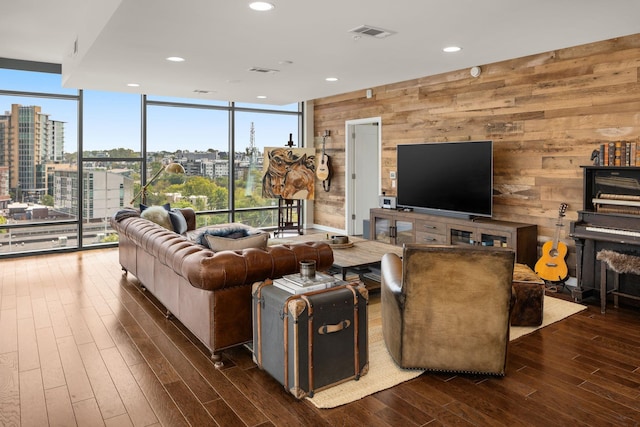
217	243
159	215
125	213
166	206
178	221
231	231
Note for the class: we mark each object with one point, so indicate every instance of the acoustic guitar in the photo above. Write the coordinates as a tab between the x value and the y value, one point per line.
323	172
551	265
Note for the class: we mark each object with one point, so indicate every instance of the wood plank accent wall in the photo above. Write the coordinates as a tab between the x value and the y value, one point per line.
546	113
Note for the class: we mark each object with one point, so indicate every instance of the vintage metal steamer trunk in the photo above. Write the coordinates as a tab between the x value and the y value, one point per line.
310	341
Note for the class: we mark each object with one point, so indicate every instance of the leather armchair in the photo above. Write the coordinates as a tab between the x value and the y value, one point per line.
446	308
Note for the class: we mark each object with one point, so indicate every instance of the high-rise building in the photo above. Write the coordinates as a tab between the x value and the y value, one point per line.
4	186
4	160
28	141
105	192
53	148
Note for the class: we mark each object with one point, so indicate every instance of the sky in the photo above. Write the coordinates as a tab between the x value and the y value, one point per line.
112	120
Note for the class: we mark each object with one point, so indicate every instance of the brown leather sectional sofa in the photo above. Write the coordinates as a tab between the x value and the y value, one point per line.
209	292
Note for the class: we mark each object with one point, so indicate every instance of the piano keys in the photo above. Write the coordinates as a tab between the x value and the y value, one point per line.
616	228
613	232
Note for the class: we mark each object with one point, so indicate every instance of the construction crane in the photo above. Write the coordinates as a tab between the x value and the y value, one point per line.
253	160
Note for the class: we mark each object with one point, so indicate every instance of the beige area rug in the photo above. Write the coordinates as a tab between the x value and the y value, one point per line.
555	309
383	372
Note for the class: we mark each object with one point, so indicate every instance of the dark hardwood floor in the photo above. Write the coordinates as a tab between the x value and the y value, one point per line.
81	344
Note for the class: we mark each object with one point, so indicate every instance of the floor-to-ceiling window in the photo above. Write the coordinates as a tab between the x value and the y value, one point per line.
256	129
69	159
111	159
38	170
221	147
196	135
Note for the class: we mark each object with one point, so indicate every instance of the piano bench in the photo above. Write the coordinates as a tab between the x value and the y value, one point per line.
618	263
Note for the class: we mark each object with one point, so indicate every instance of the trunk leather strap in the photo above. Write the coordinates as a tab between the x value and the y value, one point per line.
329	329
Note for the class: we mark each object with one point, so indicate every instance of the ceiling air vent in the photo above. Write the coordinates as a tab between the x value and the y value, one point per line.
368	30
263	70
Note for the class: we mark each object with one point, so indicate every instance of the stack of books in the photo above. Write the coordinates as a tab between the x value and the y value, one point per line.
619	153
296	284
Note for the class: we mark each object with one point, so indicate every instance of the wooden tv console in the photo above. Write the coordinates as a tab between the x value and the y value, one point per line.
398	227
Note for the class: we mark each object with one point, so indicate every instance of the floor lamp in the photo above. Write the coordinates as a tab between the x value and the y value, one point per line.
170	168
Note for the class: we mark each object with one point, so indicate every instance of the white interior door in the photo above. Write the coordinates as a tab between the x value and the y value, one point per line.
363	171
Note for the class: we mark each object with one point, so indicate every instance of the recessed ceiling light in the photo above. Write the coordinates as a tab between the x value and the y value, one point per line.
261	6
175	59
451	49
331	79
261	97
133	84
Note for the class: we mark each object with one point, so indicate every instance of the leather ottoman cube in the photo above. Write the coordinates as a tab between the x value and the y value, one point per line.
528	292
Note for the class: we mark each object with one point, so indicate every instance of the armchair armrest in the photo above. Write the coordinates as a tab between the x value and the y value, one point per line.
392	300
391	273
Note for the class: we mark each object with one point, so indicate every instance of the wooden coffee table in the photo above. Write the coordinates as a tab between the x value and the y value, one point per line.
363	253
359	255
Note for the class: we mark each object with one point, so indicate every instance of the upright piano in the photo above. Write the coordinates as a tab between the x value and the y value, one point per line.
610	219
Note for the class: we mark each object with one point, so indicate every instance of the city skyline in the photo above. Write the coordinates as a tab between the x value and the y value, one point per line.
112	121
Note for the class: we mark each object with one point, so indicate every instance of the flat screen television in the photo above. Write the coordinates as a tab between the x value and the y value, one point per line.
446	178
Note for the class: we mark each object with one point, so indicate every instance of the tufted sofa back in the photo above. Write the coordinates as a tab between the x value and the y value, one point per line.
210	270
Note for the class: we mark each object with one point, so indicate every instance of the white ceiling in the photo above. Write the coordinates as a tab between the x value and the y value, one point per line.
127	41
